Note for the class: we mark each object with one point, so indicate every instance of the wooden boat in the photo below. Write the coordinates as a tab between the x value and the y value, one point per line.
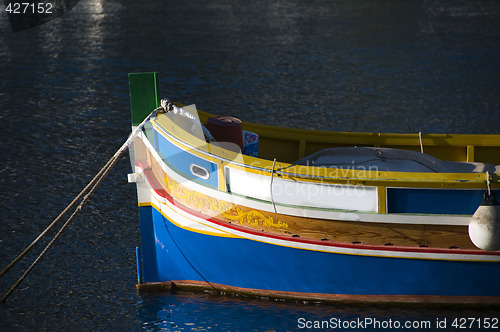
313	215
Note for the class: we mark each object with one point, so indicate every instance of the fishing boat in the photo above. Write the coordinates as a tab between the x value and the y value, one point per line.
245	208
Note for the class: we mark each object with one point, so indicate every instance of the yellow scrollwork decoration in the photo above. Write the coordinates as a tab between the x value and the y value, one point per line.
230	211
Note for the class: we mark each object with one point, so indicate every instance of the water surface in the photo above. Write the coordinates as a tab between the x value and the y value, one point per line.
391	66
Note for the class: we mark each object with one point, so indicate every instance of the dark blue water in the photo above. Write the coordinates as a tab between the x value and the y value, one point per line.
388	66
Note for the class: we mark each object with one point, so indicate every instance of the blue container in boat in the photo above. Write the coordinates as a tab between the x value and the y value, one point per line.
250	143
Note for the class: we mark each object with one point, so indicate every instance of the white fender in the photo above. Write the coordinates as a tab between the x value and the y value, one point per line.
484	227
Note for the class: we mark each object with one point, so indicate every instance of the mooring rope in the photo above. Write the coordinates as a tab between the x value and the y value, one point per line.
488	182
78	208
271	186
93	184
420	140
70	205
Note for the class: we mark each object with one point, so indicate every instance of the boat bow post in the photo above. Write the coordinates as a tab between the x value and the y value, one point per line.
144	95
144	98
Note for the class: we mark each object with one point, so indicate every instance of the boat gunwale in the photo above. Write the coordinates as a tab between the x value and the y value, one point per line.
326	136
314	173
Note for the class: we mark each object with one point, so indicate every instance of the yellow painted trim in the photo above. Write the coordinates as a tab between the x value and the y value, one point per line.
372	138
222	177
341	176
353	138
376	178
470	153
382	201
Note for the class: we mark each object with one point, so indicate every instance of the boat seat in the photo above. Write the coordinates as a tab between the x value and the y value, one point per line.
392	160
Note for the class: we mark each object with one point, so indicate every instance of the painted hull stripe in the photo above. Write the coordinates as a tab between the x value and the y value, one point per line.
355	249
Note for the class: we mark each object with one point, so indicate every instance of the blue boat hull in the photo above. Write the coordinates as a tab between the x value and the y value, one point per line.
185	256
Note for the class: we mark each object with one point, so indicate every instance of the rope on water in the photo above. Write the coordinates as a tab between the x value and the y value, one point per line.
93	184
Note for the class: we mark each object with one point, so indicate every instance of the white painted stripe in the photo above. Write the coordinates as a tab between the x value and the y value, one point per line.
249	184
326	196
305	194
